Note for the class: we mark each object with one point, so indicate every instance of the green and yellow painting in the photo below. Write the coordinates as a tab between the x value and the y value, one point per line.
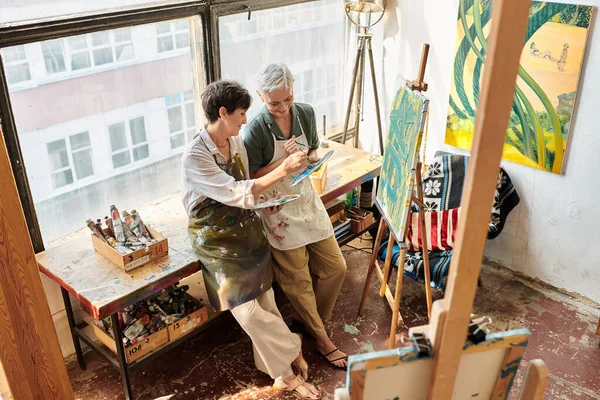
549	72
407	119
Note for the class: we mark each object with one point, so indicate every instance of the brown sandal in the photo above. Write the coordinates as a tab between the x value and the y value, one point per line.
293	388
325	356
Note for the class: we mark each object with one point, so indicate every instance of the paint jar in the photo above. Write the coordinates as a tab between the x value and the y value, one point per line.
117	224
109	227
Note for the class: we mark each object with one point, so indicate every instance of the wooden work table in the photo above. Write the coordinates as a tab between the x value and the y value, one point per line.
104	289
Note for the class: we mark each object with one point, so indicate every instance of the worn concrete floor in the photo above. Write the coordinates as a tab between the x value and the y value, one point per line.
217	363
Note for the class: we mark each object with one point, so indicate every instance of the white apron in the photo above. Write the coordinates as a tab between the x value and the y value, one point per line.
300	222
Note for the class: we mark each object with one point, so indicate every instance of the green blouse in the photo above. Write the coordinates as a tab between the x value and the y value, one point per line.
258	135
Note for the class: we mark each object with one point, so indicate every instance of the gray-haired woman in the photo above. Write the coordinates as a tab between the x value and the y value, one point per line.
227	235
309	265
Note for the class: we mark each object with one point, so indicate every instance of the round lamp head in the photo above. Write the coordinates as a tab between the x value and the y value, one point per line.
366	13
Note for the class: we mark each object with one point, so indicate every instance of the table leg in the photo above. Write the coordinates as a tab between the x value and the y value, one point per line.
121	356
71	319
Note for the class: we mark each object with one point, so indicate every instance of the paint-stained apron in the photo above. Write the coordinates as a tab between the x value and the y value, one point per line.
299	222
232	246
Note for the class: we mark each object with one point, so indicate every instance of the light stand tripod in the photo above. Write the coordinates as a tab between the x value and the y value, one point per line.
364	40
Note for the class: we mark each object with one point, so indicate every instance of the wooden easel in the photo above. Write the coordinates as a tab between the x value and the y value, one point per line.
384	274
447	329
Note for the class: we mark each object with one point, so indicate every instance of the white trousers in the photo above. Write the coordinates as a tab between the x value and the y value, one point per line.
275	347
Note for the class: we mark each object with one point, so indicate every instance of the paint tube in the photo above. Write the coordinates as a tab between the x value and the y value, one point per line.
109	227
133	226
94	229
140	224
107	238
117	224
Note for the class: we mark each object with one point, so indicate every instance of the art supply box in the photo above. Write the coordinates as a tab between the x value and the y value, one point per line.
137	258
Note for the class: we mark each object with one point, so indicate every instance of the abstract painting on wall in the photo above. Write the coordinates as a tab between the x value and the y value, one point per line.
549	72
407	120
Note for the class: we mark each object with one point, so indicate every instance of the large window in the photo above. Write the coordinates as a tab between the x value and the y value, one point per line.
308	37
172	35
93	121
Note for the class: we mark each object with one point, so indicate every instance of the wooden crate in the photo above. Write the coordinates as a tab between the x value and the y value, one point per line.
137	258
137	350
187	323
359	219
337	212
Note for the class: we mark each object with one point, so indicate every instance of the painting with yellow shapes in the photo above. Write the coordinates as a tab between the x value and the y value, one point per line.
407	119
547	82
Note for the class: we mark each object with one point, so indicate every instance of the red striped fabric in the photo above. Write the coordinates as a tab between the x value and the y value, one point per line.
440	227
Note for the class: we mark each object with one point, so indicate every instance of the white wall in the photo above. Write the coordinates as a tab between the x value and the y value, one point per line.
552	234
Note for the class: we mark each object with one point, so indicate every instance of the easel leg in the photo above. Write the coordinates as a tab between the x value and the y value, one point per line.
355	72
536	380
380	233
387	265
397	296
71	319
378	115
424	242
121	356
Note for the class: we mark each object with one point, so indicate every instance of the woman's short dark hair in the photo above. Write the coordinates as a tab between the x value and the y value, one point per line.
228	94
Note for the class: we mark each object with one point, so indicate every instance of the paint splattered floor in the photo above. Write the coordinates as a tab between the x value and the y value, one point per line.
217	363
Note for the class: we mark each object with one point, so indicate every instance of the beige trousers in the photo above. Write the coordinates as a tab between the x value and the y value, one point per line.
311	277
275	347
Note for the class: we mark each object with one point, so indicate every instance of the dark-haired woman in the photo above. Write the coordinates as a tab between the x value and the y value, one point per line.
226	233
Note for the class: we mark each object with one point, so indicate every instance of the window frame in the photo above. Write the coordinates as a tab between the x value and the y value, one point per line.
205	61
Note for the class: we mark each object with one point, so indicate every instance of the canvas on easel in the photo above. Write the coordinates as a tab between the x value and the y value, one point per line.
396	184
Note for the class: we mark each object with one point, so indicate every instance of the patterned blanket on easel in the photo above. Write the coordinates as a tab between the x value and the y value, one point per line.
442	187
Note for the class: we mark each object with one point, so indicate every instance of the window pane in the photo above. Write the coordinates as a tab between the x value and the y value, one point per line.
182	40
173	99
190	134
122	35
121	159
118	140
138	130
111	127
80	141
62	178
165	43
103	56
57	151
124	52
100	38
54	56
77	42
181	25
80	61
317	41
163	27
177	140
17	73
139	153
189	115
175	119
82	160
14	53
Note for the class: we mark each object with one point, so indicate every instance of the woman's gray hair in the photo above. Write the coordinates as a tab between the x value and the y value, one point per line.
274	76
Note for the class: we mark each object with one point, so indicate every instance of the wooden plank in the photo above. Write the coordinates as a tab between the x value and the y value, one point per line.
348	168
508	371
397	298
509	22
536	380
29	348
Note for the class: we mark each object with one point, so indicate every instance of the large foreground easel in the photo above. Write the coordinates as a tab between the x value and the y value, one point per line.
450	319
417	198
